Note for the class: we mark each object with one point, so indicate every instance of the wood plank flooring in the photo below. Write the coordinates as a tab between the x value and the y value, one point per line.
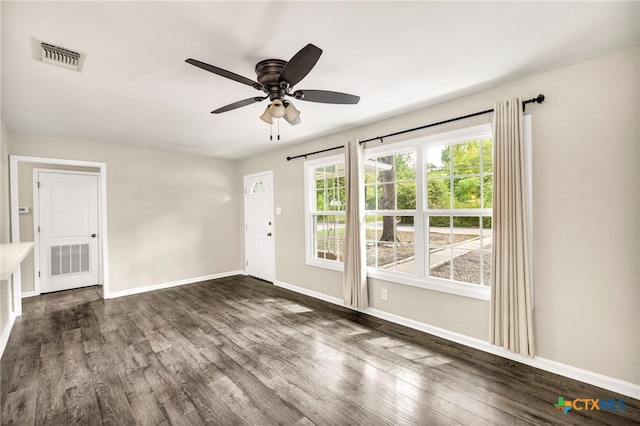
241	351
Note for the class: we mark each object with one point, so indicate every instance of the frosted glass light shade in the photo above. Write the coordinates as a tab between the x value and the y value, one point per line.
291	114
276	109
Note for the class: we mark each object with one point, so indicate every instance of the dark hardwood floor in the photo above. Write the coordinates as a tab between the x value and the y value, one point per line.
241	351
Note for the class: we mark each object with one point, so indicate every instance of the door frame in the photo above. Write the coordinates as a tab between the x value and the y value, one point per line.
244	224
36	223
14	161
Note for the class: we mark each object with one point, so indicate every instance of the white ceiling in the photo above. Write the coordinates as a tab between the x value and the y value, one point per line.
135	88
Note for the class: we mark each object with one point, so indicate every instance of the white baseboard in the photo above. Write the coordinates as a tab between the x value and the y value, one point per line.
586	376
29	294
307	292
4	338
137	290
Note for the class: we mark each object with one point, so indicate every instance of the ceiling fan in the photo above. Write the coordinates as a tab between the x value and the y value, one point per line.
276	78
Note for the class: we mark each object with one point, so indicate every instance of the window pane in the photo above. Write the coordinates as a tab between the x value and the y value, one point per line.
330	172
486	265
439	231
319	177
466	266
340	253
466	158
487	233
440	263
487	155
405	248
385	255
320	244
467	192
371	254
370	170
258	188
319	225
329	237
388	228
333	198
331	248
406	195
370	197
405	164
340	181
439	194
387	197
438	161
386	171
487	191
373	227
320	201
385	242
466	232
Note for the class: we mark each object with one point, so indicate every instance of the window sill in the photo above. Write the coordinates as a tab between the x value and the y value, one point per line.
473	291
326	264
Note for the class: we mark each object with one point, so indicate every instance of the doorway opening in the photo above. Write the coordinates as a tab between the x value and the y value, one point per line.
15	180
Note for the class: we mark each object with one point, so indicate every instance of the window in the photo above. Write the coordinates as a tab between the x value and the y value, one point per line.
390	204
459	193
428	210
258	188
326	204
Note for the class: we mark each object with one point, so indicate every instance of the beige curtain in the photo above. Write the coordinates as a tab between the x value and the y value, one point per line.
511	304
354	282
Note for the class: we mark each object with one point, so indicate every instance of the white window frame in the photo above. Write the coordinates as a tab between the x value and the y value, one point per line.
421	278
309	212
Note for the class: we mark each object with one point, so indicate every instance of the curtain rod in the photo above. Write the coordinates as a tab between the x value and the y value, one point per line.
538	99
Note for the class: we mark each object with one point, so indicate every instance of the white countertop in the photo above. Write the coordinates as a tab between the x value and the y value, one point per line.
11	255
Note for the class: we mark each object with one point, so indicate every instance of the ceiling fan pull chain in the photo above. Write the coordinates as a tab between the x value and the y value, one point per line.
271	131
278	129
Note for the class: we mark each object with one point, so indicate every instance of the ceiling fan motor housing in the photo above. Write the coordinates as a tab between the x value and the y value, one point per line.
268	72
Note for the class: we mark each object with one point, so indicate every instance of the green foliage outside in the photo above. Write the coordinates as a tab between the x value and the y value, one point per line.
470	175
458	177
330	188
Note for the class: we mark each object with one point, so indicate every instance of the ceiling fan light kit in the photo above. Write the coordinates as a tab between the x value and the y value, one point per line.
276	78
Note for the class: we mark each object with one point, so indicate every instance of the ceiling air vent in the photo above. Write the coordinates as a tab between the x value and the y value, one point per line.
56	55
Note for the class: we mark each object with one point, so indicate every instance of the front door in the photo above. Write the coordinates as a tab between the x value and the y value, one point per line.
68	230
259	234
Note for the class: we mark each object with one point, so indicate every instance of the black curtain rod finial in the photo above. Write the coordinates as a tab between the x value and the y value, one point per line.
540	98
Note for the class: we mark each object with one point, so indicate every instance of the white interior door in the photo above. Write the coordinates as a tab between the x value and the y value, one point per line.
68	230
259	235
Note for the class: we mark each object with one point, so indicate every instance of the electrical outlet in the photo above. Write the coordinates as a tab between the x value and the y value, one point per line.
384	294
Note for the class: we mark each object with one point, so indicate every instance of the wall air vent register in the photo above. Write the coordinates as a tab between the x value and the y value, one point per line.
60	56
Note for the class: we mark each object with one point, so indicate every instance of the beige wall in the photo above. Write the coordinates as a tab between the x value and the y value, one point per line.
171	217
586	234
5	234
5	290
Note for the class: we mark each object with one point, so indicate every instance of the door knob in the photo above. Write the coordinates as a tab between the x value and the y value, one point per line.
93	235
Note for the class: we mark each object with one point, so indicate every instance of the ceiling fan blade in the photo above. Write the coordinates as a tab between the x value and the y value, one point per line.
224	73
238	104
300	65
326	97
